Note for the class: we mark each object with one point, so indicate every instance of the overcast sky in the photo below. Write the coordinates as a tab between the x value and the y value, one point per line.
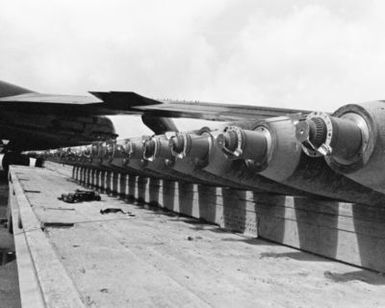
293	53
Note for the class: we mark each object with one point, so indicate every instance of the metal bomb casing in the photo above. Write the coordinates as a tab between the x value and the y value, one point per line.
133	161
204	158
284	161
99	153
269	148
135	147
157	147
110	155
73	154
192	151
101	157
107	152
86	155
352	140
158	154
250	145
119	155
194	146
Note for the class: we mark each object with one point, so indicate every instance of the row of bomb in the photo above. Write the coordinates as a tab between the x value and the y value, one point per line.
339	156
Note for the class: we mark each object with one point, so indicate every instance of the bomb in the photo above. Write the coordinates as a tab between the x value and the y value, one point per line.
158	155
273	150
351	140
203	157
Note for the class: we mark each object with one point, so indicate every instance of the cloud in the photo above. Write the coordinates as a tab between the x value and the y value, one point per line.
311	56
295	53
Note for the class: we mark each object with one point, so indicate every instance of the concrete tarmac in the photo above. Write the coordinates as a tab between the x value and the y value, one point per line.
9	285
156	258
144	256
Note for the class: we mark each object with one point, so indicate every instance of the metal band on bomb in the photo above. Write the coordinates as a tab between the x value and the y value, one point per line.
253	145
158	147
195	146
109	150
342	138
315	134
149	149
178	145
135	149
232	142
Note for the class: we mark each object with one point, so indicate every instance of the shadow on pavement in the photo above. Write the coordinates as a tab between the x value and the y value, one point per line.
359	275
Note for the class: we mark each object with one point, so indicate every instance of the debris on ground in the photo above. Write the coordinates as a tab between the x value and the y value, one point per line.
80	196
115	210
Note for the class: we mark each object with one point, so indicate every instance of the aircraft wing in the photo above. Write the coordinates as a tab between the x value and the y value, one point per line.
32	120
74	104
14	98
130	102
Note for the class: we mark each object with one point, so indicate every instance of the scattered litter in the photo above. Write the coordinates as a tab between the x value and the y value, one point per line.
115	210
56	225
90	302
190	238
80	196
32	191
